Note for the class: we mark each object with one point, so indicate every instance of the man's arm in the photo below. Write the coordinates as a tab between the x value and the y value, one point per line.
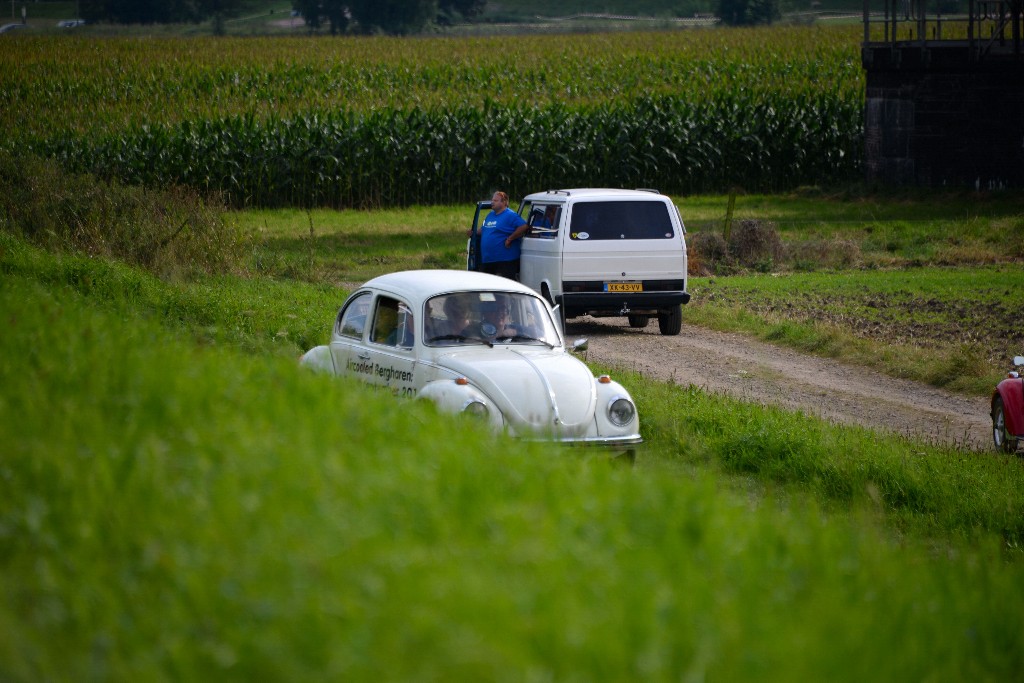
517	233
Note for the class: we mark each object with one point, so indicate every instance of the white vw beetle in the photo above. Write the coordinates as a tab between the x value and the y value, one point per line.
477	344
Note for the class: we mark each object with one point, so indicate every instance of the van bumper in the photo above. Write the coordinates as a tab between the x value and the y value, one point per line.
617	303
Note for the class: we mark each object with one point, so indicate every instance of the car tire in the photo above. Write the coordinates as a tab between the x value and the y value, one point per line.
1003	440
671	323
638	320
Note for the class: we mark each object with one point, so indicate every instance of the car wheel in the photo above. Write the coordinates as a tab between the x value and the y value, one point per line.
672	322
1003	440
639	320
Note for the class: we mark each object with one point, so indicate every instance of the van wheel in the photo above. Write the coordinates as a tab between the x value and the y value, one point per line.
671	323
638	320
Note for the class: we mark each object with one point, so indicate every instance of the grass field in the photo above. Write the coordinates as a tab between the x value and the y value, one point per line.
179	500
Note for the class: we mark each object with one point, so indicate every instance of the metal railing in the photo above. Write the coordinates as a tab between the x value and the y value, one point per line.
990	28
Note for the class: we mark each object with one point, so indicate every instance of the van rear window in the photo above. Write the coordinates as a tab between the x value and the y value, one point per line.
620	221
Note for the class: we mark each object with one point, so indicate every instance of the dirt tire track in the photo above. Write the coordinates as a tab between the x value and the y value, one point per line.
752	370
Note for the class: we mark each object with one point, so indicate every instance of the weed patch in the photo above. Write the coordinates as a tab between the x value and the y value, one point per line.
172	232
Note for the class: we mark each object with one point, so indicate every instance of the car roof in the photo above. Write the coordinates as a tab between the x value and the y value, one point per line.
591	193
418	285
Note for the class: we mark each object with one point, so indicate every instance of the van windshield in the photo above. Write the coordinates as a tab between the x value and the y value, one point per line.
622	220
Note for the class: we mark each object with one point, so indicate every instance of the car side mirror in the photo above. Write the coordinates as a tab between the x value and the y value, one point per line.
580	345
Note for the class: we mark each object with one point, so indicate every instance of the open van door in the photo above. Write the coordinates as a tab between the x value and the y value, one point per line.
473	260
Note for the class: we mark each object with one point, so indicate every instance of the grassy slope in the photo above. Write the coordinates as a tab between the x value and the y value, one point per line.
178	510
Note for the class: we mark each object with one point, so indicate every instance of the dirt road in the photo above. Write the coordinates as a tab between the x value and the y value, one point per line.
754	371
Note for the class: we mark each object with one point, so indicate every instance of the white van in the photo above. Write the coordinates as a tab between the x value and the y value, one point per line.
607	253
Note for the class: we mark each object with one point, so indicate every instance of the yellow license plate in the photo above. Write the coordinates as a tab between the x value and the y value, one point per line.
623	287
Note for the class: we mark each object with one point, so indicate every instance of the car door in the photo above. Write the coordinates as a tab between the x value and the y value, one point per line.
388	358
348	339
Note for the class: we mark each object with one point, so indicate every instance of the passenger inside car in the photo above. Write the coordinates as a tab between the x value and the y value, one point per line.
393	323
456	311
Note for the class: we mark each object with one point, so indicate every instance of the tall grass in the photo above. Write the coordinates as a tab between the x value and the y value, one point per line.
382	122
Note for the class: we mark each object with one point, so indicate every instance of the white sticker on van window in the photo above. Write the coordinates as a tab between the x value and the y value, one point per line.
582	236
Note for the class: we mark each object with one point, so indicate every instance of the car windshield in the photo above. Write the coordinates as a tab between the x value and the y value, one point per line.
488	318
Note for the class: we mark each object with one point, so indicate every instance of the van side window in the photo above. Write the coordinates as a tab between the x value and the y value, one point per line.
621	221
352	319
543	220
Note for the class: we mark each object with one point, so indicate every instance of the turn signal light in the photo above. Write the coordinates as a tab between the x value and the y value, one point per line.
462	381
604	379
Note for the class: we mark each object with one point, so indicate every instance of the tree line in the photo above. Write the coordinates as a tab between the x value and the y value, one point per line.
393	17
397	17
156	11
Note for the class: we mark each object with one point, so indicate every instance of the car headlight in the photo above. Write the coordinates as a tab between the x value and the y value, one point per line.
475	408
621	411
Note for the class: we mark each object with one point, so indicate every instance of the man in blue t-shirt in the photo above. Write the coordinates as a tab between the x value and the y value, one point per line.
500	233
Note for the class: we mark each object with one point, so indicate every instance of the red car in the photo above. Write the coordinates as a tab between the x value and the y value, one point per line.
1008	410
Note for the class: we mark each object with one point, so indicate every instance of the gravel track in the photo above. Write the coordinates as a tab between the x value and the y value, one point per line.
752	370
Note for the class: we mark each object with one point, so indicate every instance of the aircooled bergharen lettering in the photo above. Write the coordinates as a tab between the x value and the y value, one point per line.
385	373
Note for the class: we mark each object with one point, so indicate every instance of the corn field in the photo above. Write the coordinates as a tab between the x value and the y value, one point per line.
378	121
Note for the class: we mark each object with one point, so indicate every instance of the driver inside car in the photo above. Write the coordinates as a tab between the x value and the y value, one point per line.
494	322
